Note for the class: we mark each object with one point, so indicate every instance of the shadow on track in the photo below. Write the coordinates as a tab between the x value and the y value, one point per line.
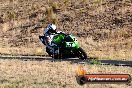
71	60
40	58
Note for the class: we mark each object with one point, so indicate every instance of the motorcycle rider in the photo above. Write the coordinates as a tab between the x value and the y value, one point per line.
58	51
49	33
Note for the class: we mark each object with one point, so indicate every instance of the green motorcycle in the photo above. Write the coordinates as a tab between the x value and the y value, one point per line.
67	47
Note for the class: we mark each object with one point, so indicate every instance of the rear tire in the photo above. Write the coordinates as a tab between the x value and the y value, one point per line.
81	54
48	51
57	55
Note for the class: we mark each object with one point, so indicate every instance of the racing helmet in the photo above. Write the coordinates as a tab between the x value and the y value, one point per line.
52	28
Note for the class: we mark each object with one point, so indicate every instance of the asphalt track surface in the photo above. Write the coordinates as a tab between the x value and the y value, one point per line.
72	60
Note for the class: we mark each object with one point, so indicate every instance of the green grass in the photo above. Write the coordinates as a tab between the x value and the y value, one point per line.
94	61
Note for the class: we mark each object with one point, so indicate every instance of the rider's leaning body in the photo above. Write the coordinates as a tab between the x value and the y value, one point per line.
49	33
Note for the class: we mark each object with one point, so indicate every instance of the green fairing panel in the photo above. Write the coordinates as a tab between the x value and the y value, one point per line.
73	44
58	39
77	45
76	42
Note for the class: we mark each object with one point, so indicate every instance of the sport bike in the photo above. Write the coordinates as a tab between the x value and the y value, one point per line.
67	47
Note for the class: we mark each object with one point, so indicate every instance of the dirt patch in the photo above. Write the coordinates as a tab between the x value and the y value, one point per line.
42	74
101	21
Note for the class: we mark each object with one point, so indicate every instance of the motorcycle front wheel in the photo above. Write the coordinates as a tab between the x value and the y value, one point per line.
81	54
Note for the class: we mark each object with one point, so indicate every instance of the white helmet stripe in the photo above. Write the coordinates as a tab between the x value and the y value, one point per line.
53	27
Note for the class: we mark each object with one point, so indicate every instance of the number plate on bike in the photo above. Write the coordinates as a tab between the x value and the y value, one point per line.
70	44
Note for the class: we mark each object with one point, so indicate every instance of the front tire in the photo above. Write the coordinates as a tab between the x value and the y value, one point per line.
81	54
